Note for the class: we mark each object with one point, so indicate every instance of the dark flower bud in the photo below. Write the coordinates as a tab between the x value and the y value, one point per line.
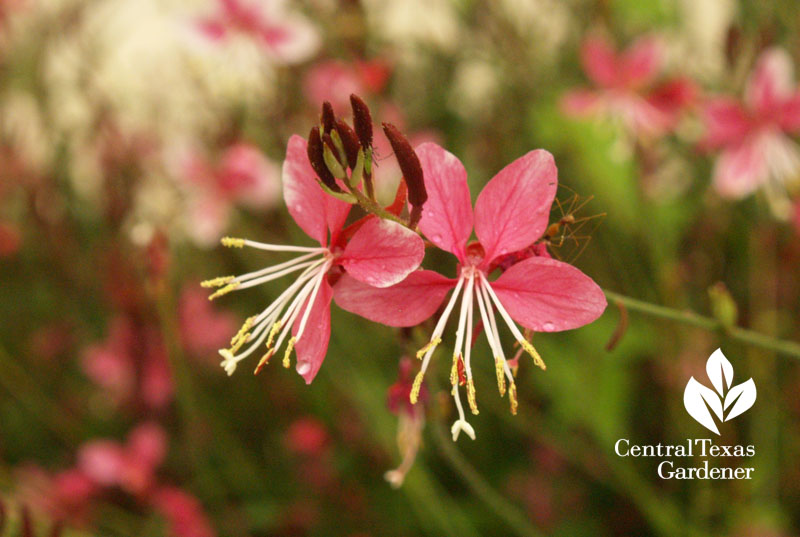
409	165
317	160
349	141
328	117
362	121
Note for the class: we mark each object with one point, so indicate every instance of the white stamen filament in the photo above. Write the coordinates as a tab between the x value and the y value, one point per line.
282	247
275	268
437	331
275	276
468	338
495	333
506	317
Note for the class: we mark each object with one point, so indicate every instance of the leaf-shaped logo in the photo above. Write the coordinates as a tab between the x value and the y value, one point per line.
701	401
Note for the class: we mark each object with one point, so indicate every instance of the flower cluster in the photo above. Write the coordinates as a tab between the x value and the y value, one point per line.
371	267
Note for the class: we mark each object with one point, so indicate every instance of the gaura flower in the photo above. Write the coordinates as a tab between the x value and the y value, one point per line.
379	253
628	89
289	37
539	293
752	134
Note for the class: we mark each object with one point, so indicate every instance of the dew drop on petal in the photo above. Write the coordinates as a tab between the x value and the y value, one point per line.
549	326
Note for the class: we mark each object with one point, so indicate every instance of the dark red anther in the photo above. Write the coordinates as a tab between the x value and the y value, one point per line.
409	165
2	516
328	117
318	161
349	141
362	121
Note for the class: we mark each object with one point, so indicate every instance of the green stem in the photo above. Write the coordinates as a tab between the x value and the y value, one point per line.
483	490
375	208
750	337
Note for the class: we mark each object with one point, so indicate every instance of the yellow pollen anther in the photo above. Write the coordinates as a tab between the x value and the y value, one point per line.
217	282
243	334
454	370
473	406
273	332
512	397
537	360
431	345
264	360
232	242
289	348
414	395
225	290
501	380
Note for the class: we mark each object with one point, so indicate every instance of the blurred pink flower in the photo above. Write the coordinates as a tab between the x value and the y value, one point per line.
797	215
511	213
131	466
751	134
65	495
628	88
378	253
287	36
203	329
242	174
183	512
131	364
307	436
334	81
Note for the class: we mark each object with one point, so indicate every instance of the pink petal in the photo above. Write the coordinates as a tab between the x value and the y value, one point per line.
513	209
447	215
771	82
789	116
408	303
725	122
740	170
313	345
547	295
148	444
382	253
599	61
246	173
203	327
581	103
641	62
183	512
314	211
103	461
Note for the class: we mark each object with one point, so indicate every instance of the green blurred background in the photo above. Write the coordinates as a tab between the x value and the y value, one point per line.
109	108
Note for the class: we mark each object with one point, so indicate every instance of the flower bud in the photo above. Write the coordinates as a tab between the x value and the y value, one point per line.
328	117
349	141
316	158
362	121
409	164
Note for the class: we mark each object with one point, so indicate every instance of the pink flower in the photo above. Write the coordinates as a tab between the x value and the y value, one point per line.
752	134
65	495
307	436
202	328
379	253
334	81
511	213
242	174
183	512
131	364
288	37
130	467
628	89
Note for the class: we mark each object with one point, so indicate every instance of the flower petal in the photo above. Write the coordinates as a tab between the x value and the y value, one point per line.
789	116
408	303
599	61
447	215
513	209
382	253
771	82
641	62
547	295
725	122
314	211
740	170
581	103
312	347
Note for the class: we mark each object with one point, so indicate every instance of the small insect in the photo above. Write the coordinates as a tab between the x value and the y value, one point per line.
570	234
